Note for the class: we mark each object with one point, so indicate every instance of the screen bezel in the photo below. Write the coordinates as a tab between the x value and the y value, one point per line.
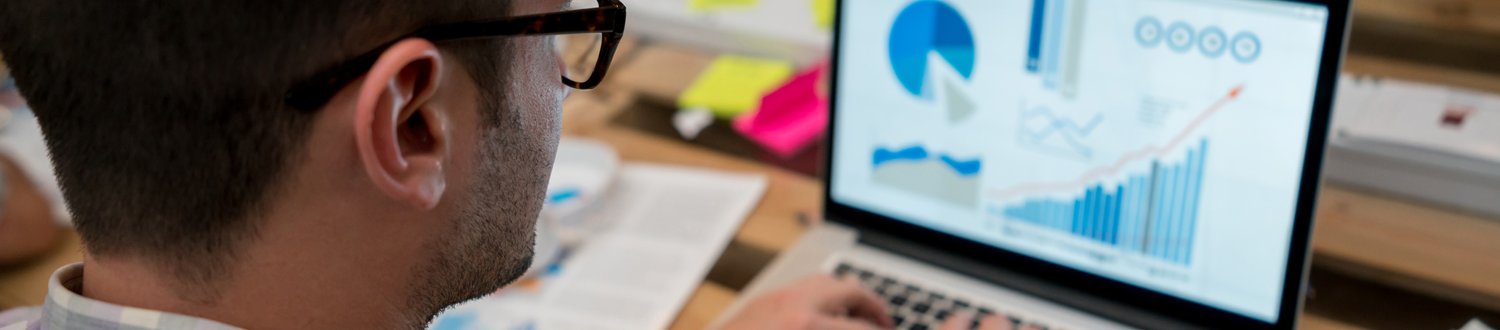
1299	253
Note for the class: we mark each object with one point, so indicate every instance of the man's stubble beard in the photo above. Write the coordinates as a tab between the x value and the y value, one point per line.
492	242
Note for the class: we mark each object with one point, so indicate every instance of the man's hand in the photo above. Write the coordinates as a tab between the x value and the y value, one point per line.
823	302
818	302
964	321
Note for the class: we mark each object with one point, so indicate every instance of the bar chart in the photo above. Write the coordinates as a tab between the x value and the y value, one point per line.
1055	44
1152	213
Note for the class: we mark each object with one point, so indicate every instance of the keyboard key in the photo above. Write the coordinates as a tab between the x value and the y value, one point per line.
920	308
898	301
914	308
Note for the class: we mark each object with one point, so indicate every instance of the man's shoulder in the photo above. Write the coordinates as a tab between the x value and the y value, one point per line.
19	318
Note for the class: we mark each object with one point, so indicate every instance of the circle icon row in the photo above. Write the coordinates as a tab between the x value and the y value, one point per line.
1211	41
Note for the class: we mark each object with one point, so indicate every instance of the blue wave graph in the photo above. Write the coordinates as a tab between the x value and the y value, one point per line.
1066	133
1153	214
919	153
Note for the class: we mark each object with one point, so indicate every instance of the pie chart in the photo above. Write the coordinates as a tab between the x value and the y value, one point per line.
926	27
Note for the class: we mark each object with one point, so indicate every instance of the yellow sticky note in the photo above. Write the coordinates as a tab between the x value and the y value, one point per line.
704	5
823	13
735	84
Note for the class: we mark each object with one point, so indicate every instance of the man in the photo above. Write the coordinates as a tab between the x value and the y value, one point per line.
211	191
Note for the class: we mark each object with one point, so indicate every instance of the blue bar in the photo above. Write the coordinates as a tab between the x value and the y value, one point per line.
1195	179
1053	43
1049	215
1179	190
1096	227
1187	206
1101	216
1136	214
1042	217
1185	188
1034	48
1174	204
1068	221
1163	221
1104	201
1107	200
1114	216
1031	211
1077	226
1198	165
1060	216
1128	218
1055	216
1093	211
1095	205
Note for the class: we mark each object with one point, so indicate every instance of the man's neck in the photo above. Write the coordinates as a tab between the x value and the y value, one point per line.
293	278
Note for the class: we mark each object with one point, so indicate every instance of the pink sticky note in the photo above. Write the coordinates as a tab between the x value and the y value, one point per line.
790	117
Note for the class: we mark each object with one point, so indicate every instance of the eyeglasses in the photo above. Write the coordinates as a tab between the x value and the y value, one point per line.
602	28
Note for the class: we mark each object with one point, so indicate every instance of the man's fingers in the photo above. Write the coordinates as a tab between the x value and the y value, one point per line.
995	322
958	321
840	323
847	296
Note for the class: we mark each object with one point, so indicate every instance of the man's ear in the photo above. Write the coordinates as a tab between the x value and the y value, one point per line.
403	139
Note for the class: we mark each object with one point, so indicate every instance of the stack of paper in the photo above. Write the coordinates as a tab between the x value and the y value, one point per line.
1428	142
670	224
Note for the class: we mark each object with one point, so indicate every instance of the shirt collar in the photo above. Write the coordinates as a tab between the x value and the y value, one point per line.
66	308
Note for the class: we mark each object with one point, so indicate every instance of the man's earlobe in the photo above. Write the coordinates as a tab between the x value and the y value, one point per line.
403	140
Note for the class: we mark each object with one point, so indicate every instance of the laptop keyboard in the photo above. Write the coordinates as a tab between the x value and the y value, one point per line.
917	308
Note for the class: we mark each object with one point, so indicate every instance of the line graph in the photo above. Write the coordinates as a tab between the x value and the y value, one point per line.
1144	154
1045	131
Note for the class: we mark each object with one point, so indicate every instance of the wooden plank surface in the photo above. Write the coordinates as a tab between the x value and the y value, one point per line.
707	303
1473	16
1386	67
1411	246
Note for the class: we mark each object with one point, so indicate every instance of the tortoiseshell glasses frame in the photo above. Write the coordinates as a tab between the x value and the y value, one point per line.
608	20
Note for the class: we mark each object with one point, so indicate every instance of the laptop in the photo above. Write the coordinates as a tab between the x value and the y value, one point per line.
1076	164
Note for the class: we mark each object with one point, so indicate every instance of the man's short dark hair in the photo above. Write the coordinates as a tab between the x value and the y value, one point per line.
166	119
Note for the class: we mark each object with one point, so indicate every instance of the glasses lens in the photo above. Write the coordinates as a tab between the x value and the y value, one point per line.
580	54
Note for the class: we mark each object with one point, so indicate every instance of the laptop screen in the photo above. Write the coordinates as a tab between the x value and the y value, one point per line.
1160	143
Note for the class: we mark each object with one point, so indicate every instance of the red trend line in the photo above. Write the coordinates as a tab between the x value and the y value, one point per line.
1146	153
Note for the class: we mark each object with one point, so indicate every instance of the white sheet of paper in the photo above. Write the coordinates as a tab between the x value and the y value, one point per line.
669	226
1476	325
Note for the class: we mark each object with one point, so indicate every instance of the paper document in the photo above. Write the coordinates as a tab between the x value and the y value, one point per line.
1475	324
668	227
